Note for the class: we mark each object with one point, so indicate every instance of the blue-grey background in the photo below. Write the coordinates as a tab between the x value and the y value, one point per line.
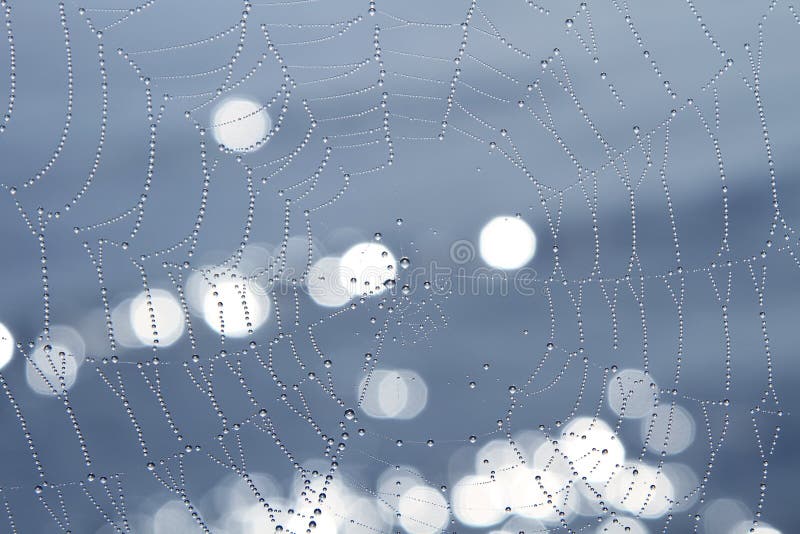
444	191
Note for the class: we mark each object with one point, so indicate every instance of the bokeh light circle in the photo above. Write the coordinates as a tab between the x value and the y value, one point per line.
123	326
240	124
477	501
6	345
423	510
233	308
324	283
670	429
621	525
686	484
641	489
391	485
587	446
538	494
726	515
45	369
518	524
393	394
168	314
631	393
495	456
366	267
55	361
172	517
507	242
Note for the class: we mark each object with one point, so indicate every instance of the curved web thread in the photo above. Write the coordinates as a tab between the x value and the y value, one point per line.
471	86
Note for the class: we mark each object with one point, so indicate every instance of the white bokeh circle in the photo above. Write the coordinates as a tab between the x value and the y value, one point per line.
632	393
168	318
587	446
393	394
477	501
6	345
324	283
641	489
669	429
232	308
423	510
507	242
366	267
240	124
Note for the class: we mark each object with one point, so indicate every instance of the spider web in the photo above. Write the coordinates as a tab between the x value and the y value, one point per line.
635	384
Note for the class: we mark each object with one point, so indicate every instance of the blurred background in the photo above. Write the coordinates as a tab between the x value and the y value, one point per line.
352	266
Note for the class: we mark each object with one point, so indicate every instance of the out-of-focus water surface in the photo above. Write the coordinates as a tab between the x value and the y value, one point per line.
317	266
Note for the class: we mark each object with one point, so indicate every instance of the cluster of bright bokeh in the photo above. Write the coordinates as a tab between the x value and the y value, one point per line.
236	301
533	483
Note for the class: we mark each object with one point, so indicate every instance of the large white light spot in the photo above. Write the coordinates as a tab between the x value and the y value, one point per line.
230	307
173	517
304	519
507	242
325	285
6	345
497	455
725	515
54	369
538	494
343	509
391	485
122	325
235	498
478	501
165	314
393	394
53	364
588	446
252	519
518	524
631	393
670	429
642	490
423	510
240	124
507	484
363	516
621	525
685	483
365	268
